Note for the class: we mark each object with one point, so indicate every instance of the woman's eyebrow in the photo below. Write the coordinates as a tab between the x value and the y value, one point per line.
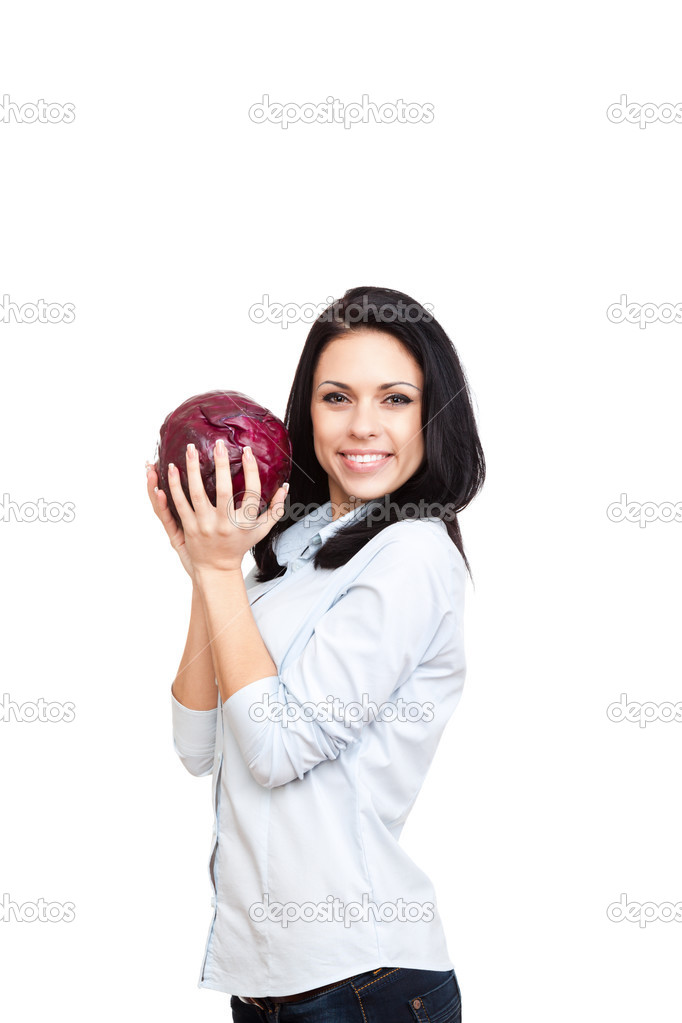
381	387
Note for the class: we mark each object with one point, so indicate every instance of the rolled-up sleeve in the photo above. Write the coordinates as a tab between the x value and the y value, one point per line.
194	737
405	602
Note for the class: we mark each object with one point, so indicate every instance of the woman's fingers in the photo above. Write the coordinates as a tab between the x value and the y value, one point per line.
160	505
252	490
152	484
274	512
276	508
182	505
223	480
197	491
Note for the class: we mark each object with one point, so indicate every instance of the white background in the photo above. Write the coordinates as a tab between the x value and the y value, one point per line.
520	213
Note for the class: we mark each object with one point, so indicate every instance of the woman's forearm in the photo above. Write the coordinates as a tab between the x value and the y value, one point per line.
239	654
194	685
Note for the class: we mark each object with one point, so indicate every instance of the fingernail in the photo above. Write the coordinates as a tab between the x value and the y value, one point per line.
286	488
248	453
220	445
171	468
191	451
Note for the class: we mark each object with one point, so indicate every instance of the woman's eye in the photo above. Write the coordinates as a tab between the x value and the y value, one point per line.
404	400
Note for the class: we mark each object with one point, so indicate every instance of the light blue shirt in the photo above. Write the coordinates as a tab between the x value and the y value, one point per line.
310	796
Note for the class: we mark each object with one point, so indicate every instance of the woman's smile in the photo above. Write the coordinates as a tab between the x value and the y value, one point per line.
363	463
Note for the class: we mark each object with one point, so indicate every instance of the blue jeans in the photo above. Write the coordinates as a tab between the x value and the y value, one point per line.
389	995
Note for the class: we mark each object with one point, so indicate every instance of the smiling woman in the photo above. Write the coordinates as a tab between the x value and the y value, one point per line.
368	441
316	690
378	374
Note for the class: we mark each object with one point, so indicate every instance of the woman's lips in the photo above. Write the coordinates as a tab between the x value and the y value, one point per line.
364	467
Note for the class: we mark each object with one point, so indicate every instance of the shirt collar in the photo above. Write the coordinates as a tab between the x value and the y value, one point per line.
304	538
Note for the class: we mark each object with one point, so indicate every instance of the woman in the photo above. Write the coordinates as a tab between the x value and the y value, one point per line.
316	690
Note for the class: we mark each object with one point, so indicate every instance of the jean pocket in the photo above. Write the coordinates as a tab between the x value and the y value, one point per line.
246	1012
442	1004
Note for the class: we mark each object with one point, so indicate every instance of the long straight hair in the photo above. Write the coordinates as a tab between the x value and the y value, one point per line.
453	468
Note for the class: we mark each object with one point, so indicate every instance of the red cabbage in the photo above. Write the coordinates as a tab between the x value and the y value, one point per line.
239	420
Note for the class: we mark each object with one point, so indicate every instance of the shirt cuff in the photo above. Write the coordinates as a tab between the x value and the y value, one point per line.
246	712
194	731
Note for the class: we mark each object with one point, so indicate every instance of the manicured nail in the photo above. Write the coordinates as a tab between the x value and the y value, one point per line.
171	468
248	454
286	488
220	446
191	451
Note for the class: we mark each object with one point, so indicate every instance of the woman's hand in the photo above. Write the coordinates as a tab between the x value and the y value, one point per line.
218	536
162	512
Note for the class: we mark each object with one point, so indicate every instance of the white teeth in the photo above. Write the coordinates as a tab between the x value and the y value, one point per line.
366	458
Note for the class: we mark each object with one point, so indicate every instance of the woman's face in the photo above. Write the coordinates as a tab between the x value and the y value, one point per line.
353	412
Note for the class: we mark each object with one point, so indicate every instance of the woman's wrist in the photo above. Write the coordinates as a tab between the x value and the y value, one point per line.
204	576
